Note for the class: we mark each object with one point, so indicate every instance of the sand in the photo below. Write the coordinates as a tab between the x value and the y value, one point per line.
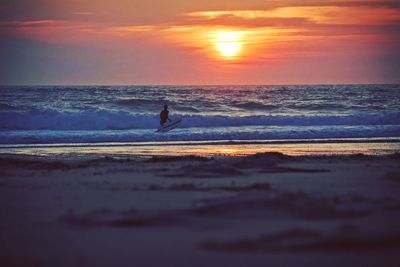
266	209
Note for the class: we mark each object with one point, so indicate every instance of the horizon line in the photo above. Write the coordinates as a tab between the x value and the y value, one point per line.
217	84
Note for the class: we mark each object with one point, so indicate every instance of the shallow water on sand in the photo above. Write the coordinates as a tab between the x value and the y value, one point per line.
208	148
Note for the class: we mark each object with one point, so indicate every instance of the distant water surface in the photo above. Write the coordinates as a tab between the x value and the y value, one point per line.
91	114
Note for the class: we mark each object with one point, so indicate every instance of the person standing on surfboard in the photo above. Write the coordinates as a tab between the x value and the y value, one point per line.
164	115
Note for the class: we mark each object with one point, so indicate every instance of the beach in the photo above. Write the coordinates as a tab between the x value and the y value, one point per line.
256	210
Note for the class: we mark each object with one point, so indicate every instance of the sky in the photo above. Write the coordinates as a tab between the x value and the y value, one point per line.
102	42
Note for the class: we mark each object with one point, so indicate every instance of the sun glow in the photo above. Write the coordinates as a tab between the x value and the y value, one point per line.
228	44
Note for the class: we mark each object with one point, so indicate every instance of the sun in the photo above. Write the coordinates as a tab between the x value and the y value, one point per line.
228	43
229	49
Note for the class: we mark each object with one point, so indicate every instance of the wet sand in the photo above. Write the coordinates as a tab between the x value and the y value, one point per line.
267	209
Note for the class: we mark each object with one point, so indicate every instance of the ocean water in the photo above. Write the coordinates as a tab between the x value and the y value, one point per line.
92	114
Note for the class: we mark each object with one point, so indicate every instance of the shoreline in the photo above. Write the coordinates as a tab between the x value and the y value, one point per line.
293	147
394	139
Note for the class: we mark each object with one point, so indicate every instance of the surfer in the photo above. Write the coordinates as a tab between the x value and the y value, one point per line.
172	124
164	115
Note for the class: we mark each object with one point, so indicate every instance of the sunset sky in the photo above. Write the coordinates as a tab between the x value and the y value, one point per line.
199	42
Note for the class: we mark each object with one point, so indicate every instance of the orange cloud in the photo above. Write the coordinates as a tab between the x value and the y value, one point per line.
320	15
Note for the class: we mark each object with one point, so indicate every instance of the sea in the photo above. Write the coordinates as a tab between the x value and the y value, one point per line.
65	116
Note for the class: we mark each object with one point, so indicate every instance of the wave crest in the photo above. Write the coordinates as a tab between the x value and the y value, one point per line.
124	120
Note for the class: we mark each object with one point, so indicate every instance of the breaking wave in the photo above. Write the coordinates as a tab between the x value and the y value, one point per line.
124	120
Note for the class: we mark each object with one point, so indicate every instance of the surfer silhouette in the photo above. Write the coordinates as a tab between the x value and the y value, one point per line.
164	115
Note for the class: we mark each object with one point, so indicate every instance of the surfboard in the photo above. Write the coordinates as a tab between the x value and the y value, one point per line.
169	126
